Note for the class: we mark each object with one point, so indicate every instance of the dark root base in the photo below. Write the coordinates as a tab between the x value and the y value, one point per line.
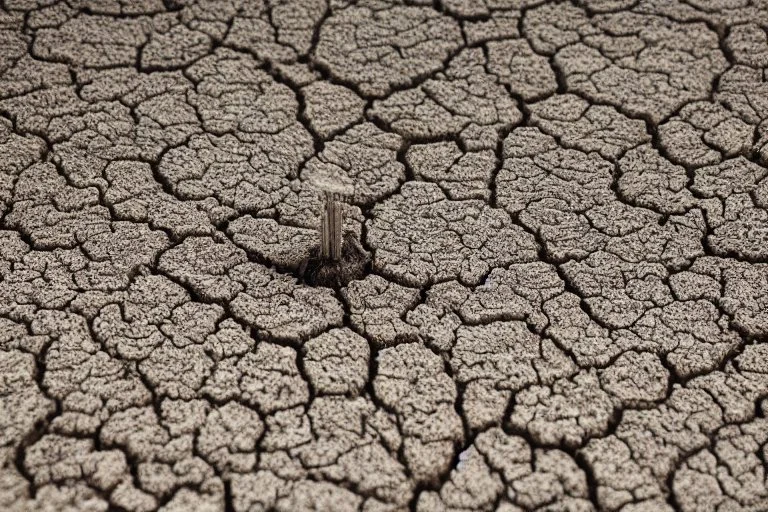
334	274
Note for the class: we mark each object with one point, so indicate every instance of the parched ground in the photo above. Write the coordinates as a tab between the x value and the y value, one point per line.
566	205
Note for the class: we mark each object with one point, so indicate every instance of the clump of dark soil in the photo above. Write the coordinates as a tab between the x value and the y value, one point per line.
353	264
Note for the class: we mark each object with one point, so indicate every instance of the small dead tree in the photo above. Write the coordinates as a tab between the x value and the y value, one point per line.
340	258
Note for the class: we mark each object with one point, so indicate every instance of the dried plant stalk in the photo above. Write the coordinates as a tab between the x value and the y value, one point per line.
331	228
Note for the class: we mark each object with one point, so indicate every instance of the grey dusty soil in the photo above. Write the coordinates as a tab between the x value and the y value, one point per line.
558	298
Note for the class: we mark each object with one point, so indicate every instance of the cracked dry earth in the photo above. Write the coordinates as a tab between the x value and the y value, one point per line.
566	208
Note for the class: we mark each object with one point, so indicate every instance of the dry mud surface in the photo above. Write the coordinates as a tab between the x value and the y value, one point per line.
566	205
